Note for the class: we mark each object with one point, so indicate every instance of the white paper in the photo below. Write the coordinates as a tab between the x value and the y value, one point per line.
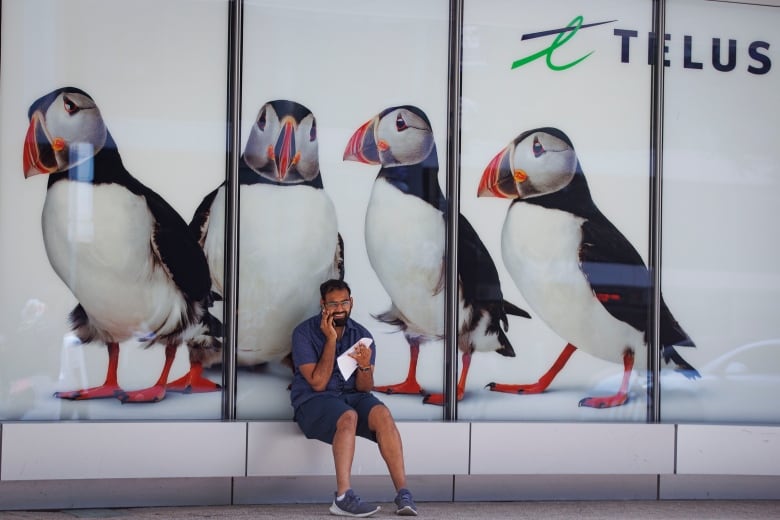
347	365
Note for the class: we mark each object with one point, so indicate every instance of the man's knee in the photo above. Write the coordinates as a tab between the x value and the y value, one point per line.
380	418
347	421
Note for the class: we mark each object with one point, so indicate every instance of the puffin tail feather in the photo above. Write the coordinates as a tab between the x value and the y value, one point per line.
514	310
206	347
685	368
391	318
506	347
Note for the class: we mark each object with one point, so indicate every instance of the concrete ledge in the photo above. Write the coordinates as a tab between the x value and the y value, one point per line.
561	449
728	450
280	449
87	450
68	463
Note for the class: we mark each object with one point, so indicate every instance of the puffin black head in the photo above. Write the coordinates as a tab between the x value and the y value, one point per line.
536	163
282	145
66	129
397	136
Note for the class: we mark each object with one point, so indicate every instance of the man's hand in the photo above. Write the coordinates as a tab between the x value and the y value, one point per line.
365	378
327	326
361	354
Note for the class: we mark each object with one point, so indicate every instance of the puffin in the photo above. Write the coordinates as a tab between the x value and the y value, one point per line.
575	269
125	254
289	239
405	241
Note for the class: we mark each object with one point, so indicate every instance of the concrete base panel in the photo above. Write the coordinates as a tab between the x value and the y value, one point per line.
555	487
719	487
320	489
76	494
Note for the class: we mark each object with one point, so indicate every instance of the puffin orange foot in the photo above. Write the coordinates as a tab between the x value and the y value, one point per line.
516	389
605	402
98	392
188	384
152	394
438	399
407	387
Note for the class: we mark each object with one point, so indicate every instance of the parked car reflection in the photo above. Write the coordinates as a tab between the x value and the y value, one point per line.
759	361
737	386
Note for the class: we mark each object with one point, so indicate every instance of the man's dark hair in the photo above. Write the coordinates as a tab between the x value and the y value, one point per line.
333	285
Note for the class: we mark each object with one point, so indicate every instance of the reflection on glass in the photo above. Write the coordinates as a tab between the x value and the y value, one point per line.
720	209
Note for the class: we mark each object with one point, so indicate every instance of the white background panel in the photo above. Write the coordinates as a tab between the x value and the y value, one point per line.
157	72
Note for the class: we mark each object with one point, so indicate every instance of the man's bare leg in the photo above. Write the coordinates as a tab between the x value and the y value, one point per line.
344	450
381	421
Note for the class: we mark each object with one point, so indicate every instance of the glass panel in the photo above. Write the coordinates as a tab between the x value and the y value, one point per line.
721	186
554	103
109	235
341	64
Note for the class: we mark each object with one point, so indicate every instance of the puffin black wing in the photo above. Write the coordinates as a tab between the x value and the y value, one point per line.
618	276
200	219
177	249
476	270
339	256
621	282
480	285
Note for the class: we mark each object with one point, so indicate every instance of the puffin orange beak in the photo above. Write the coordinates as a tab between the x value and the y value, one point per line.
284	152
498	180
362	146
38	155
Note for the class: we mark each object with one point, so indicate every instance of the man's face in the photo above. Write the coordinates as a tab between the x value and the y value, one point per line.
338	304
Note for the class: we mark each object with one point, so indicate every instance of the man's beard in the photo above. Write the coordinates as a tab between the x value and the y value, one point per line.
341	320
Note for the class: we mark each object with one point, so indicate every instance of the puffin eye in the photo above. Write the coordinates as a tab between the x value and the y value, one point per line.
261	121
70	107
400	123
313	132
538	148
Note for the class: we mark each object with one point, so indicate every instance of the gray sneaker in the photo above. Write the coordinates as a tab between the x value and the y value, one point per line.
351	505
405	503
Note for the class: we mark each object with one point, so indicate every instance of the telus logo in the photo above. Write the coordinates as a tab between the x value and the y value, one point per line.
760	62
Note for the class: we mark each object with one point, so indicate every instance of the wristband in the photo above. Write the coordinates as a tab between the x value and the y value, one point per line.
364	369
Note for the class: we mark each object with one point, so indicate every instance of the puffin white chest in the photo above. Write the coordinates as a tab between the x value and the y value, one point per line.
540	248
287	246
405	243
98	240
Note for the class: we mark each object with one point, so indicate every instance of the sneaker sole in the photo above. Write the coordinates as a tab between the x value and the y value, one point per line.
337	511
406	511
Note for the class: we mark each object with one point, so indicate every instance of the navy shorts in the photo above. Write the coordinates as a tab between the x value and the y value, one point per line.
317	417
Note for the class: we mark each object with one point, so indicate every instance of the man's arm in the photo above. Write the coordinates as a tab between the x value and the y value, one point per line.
318	374
364	381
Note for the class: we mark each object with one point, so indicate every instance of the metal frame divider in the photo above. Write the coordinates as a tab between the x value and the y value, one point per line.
233	144
453	209
656	192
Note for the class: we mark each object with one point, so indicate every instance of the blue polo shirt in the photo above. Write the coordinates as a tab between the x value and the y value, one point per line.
308	341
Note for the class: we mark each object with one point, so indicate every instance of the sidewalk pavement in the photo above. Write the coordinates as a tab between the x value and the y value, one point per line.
568	510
